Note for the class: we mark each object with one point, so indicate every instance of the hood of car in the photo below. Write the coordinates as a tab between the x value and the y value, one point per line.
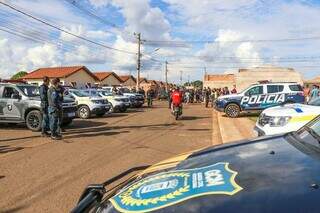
292	110
271	174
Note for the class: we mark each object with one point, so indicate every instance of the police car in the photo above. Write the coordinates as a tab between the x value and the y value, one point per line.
286	118
259	97
268	174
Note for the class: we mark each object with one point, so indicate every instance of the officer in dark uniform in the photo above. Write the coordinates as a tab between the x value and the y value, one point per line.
149	97
55	108
169	98
61	92
44	106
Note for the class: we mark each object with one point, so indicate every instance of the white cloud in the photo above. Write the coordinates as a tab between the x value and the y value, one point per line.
40	56
84	55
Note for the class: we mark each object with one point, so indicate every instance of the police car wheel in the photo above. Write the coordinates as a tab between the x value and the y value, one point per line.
232	110
84	112
33	120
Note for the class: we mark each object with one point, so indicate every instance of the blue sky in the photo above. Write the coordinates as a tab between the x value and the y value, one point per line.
230	27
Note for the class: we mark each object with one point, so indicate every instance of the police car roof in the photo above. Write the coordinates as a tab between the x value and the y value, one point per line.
279	82
17	84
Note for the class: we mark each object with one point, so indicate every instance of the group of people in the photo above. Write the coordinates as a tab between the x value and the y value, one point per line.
206	94
312	93
51	108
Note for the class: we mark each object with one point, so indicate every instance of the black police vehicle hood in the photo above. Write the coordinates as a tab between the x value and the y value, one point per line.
272	174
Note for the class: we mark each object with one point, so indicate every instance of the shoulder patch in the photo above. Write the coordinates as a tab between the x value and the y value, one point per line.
169	188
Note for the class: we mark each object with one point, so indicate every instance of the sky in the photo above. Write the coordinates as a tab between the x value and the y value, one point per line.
194	37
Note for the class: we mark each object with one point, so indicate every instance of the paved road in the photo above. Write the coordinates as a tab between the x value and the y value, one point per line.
37	175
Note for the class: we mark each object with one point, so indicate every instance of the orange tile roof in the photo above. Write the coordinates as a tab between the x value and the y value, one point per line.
221	77
125	78
103	75
55	72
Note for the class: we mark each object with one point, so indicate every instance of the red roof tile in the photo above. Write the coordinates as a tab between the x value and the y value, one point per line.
55	72
103	75
125	78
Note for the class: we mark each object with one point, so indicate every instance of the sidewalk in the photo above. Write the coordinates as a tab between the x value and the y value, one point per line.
233	129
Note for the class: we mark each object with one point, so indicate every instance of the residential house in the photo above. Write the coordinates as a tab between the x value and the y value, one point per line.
246	77
219	81
107	79
128	81
77	76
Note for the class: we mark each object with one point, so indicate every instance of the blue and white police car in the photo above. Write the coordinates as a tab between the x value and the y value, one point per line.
259	97
286	118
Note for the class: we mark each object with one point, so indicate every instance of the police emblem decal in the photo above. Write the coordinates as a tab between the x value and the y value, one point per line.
9	107
168	188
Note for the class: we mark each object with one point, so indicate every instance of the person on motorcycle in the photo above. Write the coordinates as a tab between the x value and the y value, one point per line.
177	99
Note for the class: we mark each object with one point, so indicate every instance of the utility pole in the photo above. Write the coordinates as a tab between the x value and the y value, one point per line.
166	75
138	60
181	72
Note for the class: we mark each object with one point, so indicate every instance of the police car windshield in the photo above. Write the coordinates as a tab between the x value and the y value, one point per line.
124	90
79	93
310	133
30	91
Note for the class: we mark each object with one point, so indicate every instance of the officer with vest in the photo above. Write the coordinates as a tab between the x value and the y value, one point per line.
55	108
44	106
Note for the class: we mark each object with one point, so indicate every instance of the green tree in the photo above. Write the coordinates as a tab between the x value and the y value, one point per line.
197	84
18	75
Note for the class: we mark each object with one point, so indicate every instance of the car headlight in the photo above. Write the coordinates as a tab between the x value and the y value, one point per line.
277	121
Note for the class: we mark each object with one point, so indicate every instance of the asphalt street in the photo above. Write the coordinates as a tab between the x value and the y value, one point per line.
38	175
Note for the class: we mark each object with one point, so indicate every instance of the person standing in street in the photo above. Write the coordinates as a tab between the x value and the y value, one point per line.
61	92
306	93
234	90
315	92
169	98
44	106
55	107
149	97
206	96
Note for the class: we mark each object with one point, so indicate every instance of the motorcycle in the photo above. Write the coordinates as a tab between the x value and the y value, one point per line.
177	111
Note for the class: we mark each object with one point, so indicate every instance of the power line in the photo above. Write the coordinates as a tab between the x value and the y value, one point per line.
238	41
65	31
100	19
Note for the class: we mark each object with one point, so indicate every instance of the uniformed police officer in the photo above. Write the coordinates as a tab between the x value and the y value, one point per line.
44	106
61	91
55	107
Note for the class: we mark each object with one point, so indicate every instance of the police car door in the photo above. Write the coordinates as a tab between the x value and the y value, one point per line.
12	102
253	97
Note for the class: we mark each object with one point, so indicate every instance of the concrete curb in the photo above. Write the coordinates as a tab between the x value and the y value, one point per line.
234	129
216	131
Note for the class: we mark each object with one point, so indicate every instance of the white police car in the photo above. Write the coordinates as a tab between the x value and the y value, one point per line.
286	118
259	97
